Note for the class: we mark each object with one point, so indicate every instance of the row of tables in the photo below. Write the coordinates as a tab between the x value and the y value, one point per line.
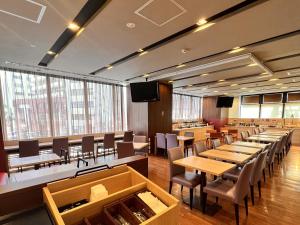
235	154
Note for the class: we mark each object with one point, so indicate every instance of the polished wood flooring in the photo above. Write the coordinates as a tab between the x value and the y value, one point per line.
280	202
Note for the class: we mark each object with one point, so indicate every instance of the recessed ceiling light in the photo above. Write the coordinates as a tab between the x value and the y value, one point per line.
204	26
279	84
130	25
236	50
274	79
221	80
140	50
216	91
233	85
32	45
51	52
143	53
284	87
146	75
225	93
204	74
243	88
201	22
109	67
170	81
80	31
180	65
190	85
253	64
264	73
73	27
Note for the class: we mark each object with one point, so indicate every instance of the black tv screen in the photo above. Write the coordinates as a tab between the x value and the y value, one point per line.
145	91
224	102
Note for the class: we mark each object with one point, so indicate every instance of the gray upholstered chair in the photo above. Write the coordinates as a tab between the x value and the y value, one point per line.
128	136
228	139
256	131
28	148
178	174
289	140
140	139
215	143
125	149
280	148
160	142
109	142
60	147
235	193
198	147
189	143
271	157
244	135
171	140
260	129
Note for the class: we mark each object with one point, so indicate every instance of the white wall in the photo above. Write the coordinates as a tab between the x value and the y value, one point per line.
234	112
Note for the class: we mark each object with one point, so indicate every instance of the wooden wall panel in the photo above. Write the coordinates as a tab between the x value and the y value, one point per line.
3	155
160	113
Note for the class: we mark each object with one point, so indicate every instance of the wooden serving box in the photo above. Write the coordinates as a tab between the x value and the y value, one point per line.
120	182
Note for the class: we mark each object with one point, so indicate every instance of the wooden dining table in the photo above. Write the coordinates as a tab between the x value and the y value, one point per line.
240	149
183	139
237	158
262	139
204	165
249	144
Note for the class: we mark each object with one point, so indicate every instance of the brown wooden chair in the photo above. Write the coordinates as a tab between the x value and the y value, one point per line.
61	148
178	174
109	142
88	147
125	149
128	136
198	147
28	148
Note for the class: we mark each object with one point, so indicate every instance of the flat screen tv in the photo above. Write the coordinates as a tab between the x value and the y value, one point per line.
145	91
224	102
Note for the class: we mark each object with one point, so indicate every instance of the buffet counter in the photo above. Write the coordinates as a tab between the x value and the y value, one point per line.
199	132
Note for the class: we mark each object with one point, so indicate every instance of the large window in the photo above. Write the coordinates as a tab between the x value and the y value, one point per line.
271	110
292	110
186	107
250	111
41	106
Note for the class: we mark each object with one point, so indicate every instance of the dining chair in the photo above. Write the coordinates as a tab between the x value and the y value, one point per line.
125	149
128	136
260	129
60	147
88	147
234	133
235	193
289	140
213	136
109	143
256	131
228	139
171	140
198	147
141	139
160	142
28	148
244	135
216	143
178	174
189	143
280	148
271	157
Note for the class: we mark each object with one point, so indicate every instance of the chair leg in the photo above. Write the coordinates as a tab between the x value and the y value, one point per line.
237	217
264	174
191	198
259	188
272	167
170	187
204	199
181	188
252	194
246	204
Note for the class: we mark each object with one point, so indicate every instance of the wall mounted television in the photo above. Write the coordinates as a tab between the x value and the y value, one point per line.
145	91
224	102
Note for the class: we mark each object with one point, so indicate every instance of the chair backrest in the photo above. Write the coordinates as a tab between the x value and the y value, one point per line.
258	168
125	149
216	135
272	151
198	147
128	136
59	144
87	144
174	154
241	187
280	144
260	129
109	140
215	143
161	141
248	133
244	135
189	134
171	140
228	139
28	148
233	131
139	139
256	131
290	135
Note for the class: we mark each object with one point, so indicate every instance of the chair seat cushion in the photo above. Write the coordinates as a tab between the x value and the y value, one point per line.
220	188
187	179
232	174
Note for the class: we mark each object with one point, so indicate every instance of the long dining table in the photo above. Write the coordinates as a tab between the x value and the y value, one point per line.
204	165
240	149
234	157
250	144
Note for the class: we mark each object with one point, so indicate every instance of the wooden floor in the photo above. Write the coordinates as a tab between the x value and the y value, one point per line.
280	202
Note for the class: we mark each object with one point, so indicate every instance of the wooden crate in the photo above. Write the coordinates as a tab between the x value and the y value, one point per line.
120	182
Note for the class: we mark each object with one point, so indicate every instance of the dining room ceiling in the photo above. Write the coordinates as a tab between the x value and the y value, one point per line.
129	41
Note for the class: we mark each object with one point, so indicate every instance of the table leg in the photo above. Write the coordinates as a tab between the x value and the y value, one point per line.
203	184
